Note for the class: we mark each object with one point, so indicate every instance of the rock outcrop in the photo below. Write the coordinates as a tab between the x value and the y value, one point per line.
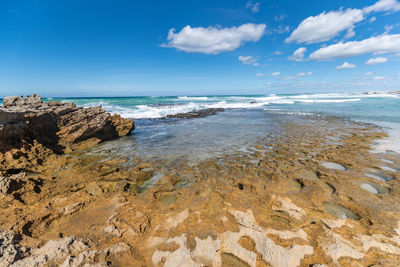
29	125
56	125
195	114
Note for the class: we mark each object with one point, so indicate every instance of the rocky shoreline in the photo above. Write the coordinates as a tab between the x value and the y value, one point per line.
314	196
31	130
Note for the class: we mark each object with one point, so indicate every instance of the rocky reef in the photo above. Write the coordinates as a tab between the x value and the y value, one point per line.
195	114
313	196
35	129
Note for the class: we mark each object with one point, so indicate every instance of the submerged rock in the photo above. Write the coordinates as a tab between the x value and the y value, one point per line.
308	175
372	187
340	211
387	168
334	166
379	177
195	114
369	188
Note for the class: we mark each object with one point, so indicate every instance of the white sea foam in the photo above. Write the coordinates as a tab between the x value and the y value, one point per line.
193	98
287	112
345	95
153	112
391	142
194	103
328	100
93	104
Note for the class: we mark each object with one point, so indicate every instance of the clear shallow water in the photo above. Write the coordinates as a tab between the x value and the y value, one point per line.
246	120
229	132
248	111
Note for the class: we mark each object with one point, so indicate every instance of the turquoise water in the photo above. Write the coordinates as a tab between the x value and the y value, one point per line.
247	119
367	107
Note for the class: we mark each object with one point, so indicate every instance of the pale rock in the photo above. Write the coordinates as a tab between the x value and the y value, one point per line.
112	230
206	251
71	208
340	247
173	221
288	207
179	257
337	223
9	250
54	251
270	252
118	248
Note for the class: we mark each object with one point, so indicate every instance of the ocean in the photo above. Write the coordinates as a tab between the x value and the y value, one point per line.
246	120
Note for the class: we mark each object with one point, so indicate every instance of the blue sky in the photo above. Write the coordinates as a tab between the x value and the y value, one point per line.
128	48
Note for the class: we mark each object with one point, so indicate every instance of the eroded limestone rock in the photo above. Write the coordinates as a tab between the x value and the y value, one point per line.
59	126
213	252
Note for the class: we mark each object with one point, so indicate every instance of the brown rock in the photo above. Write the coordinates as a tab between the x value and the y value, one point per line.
20	101
58	126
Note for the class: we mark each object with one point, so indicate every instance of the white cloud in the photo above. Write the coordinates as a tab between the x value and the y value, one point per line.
298	55
214	40
254	7
377	60
277	53
248	60
382	6
377	78
373	19
302	74
350	32
381	44
388	28
325	26
346	65
276	73
281	29
259	74
368	73
280	17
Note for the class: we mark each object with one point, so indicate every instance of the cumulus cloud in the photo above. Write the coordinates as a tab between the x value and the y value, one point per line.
248	60
214	40
277	53
325	26
377	60
346	65
379	78
276	73
298	55
259	74
254	7
383	6
373	19
381	44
